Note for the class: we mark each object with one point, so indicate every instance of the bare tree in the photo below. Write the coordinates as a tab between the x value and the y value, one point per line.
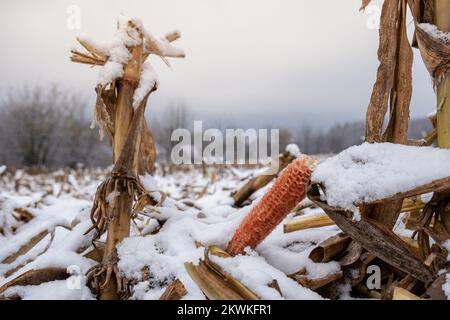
286	137
305	136
174	116
46	126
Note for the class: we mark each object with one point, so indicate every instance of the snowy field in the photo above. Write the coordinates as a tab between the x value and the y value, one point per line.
195	212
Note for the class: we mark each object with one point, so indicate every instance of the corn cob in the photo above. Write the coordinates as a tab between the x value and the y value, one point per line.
287	191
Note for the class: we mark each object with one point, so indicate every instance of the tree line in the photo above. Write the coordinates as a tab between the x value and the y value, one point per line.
49	127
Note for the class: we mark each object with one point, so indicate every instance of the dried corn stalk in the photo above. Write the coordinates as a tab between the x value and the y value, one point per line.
432	21
313	221
393	87
36	277
112	94
376	239
215	283
125	84
261	181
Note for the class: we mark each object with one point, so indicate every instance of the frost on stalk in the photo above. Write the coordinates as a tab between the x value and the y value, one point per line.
433	31
118	53
120	112
372	172
149	80
293	150
115	56
434	46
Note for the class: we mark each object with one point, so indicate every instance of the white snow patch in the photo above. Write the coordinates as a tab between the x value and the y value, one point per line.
434	31
149	182
148	81
446	245
102	47
446	286
372	172
110	71
293	150
53	290
185	220
118	52
255	273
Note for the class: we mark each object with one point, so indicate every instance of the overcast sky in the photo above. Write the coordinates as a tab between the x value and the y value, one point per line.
270	62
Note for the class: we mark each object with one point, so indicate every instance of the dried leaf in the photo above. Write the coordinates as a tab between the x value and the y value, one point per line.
36	277
210	283
175	291
376	238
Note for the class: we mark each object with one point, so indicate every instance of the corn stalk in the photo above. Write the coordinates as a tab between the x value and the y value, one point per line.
442	21
261	181
119	198
393	87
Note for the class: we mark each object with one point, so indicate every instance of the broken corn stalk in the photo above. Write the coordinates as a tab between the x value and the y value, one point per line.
287	191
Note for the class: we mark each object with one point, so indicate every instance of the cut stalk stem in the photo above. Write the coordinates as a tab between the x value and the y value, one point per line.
315	284
403	294
210	283
119	228
330	248
315	221
442	21
175	291
261	181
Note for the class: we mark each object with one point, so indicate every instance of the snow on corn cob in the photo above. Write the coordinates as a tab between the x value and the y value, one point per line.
287	191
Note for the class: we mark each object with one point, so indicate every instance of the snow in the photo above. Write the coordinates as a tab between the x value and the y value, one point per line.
167	251
356	214
149	182
293	150
26	232
446	286
433	30
53	290
2	169
255	273
131	32
212	221
446	245
372	172
161	46
118	52
168	50
110	71
289	252
56	214
432	114
148	81
197	212
102	47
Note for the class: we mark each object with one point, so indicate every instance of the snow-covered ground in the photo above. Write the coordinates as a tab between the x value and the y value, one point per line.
197	210
371	172
196	214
